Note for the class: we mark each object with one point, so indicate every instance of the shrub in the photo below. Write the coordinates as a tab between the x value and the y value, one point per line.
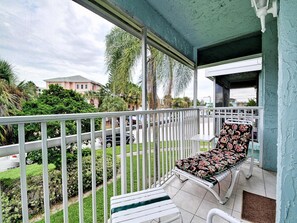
11	192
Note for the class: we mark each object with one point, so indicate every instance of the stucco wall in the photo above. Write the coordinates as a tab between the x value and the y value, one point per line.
287	113
268	84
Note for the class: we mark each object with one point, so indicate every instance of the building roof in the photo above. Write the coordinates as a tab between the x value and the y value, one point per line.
76	78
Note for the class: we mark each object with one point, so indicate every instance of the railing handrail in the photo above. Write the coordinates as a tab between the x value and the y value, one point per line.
78	116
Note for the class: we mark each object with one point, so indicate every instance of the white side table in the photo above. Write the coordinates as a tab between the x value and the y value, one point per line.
143	206
203	138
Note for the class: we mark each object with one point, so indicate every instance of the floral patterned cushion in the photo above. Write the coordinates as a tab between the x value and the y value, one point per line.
235	137
231	148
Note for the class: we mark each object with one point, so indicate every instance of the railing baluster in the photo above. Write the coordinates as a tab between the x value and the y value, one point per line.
149	149
93	157
155	153
105	210
114	155
170	143
166	155
138	152
203	121
64	171
175	137
163	155
159	164
123	156
131	154
1	218
45	173
182	127
144	152
79	167
24	196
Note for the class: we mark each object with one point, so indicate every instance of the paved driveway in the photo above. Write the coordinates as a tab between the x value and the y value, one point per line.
6	163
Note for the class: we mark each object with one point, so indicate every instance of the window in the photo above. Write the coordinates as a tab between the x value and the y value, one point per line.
77	86
86	86
81	86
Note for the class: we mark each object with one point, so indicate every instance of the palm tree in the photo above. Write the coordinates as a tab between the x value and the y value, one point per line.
12	95
122	53
9	94
132	96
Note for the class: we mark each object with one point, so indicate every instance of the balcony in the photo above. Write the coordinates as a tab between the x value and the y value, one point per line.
200	202
161	137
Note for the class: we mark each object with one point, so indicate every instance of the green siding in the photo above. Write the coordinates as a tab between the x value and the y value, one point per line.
269	95
287	113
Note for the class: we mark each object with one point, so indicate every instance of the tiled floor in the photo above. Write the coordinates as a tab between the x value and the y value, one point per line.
195	202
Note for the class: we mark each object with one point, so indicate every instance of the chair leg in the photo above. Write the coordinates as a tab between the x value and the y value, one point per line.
182	181
250	173
235	175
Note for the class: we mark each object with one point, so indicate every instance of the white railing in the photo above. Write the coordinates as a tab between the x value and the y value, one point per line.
211	120
161	137
160	140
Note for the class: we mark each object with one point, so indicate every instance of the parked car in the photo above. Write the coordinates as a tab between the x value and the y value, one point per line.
118	139
134	119
16	158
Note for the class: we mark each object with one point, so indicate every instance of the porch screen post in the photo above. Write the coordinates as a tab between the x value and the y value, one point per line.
144	106
195	86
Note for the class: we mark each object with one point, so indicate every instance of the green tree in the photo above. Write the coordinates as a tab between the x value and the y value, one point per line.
12	95
188	101
122	53
132	95
55	100
113	104
251	102
179	103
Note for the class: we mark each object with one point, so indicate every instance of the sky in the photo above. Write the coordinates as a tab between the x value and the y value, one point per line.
52	38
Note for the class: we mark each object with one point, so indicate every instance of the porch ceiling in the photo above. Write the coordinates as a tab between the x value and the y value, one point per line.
207	22
209	26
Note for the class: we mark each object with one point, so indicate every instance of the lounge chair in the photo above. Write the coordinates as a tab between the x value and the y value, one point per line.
210	168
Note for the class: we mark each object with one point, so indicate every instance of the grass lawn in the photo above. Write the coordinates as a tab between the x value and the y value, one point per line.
31	170
73	209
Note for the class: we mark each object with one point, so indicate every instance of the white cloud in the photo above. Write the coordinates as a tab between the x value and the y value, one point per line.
51	38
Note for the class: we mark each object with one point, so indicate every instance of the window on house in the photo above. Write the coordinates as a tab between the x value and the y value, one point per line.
81	86
86	86
77	86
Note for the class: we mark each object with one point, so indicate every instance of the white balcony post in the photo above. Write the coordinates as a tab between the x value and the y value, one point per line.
123	155
144	105
195	86
144	69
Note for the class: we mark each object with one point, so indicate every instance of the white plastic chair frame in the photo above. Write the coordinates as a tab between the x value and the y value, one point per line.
221	214
234	170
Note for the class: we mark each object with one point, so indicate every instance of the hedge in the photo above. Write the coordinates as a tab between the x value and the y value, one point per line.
11	192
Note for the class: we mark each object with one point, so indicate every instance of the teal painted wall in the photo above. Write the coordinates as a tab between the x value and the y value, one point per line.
287	113
269	81
155	22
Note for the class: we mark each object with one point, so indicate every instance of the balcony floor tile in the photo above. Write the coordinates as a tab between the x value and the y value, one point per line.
195	201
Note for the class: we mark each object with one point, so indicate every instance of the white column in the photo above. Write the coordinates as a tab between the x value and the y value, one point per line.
144	106
195	86
144	69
